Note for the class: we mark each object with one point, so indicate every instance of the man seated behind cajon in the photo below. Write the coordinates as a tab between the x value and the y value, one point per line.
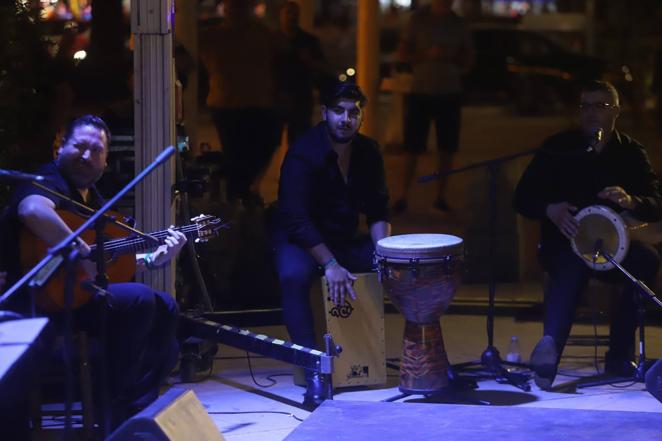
329	176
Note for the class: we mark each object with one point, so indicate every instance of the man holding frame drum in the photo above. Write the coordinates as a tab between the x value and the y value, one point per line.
592	165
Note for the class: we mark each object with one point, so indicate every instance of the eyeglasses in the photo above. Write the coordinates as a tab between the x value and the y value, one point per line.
596	106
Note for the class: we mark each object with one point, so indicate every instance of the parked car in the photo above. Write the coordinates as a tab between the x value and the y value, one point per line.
532	70
526	69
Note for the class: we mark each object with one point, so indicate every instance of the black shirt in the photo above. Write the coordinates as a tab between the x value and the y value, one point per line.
315	204
566	169
55	181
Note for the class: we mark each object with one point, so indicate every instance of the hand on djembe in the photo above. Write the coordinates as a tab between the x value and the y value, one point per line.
619	196
340	283
562	215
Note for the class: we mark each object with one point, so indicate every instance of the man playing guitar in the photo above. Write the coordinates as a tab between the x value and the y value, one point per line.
141	348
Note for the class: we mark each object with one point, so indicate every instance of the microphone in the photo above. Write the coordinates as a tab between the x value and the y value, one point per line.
595	139
12	175
165	154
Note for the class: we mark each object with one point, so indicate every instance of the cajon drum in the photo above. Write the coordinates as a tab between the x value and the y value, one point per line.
358	327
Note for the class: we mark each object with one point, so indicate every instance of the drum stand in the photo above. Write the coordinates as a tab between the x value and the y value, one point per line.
454	392
641	292
490	364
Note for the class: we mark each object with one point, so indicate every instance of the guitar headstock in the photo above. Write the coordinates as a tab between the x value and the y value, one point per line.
207	227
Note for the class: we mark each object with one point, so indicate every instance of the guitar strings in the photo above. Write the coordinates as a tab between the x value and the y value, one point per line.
131	242
117	244
135	242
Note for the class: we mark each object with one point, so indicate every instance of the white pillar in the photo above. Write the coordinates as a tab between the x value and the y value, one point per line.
367	65
154	121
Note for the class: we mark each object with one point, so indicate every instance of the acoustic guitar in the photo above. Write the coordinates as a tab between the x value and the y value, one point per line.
120	247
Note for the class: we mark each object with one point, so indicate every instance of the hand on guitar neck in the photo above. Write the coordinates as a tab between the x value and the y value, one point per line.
173	244
120	252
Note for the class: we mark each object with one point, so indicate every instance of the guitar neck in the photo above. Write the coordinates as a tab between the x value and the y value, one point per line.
136	244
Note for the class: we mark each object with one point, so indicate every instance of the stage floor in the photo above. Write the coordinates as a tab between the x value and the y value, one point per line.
256	399
243	410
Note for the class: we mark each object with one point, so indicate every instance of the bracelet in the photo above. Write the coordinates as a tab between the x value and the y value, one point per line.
330	263
149	263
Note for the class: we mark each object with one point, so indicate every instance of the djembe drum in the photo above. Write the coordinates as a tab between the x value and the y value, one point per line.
420	274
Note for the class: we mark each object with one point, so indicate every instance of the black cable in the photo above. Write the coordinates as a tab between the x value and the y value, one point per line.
250	369
258	411
270	377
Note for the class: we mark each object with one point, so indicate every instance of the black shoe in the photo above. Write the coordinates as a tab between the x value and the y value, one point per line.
441	205
315	390
621	368
399	207
544	361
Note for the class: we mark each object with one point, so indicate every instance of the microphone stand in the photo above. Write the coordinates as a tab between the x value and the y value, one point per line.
190	248
642	290
490	359
66	252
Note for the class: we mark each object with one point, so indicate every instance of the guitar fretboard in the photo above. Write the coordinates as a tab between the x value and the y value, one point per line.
136	244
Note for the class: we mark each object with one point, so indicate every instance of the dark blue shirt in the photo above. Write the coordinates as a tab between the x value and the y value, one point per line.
315	204
55	181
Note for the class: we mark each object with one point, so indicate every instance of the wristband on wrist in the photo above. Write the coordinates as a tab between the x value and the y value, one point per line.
330	263
149	262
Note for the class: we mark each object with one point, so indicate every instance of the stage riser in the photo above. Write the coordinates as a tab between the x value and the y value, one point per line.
357	421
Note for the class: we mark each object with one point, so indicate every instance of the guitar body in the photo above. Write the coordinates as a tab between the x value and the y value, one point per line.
50	298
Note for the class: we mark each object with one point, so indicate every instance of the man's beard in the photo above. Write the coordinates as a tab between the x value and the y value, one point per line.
341	139
77	178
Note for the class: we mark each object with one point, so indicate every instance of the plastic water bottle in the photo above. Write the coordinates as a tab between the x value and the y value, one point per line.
513	355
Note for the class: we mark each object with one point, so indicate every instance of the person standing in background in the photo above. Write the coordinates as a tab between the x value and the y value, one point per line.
239	56
300	68
437	44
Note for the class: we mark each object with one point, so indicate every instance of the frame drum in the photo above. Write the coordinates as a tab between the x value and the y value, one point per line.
600	228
